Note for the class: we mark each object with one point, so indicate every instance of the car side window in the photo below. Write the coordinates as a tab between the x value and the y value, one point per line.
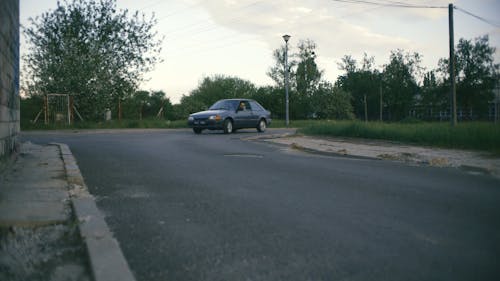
227	105
234	105
247	106
256	106
244	106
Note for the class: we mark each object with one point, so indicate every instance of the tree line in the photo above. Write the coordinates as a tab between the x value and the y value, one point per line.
398	90
403	88
99	55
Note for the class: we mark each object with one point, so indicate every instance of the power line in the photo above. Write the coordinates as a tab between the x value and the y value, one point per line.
197	29
233	20
180	11
394	4
477	17
200	27
201	23
226	42
398	4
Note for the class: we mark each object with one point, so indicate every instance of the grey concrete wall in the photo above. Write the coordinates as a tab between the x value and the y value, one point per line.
9	77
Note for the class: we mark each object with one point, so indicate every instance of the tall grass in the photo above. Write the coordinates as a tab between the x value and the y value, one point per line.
473	135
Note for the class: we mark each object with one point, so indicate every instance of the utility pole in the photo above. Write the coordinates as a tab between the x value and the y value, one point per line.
119	109
286	37
496	100
366	109
381	104
68	109
453	93
46	109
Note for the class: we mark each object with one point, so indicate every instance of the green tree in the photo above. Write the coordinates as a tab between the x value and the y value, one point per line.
141	101
158	101
329	102
144	104
433	96
348	64
31	107
476	74
307	75
217	87
363	83
304	78
189	104
133	106
273	99
277	71
91	50
399	83
307	78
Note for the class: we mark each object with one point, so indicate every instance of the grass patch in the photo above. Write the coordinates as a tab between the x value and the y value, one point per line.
473	135
113	124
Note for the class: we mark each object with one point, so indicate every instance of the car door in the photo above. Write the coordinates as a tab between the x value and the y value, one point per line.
243	116
256	113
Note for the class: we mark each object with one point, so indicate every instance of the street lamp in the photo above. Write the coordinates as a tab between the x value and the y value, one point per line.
286	37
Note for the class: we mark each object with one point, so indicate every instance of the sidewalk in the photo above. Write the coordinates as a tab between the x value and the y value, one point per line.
50	227
471	161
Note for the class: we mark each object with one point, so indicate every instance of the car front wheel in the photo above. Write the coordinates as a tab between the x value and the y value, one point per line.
228	126
262	125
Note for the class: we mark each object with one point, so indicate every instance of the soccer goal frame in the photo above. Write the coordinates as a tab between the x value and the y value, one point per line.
58	109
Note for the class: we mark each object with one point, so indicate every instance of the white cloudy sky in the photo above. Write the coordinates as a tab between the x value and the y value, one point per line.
237	37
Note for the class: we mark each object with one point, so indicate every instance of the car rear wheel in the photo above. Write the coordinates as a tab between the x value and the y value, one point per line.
228	126
197	130
262	125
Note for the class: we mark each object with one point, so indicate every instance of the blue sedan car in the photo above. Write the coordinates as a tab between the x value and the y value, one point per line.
230	115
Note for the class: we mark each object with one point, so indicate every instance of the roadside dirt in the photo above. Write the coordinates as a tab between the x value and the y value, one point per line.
472	161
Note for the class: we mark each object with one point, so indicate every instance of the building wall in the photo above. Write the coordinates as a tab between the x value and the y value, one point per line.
9	77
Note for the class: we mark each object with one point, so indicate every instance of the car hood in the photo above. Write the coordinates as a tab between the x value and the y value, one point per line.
207	113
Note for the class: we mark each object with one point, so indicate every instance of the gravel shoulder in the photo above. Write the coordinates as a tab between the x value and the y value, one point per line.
471	161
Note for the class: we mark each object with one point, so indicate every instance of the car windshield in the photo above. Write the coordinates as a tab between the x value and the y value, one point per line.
222	104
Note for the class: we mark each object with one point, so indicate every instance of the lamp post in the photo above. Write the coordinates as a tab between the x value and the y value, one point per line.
453	90
286	37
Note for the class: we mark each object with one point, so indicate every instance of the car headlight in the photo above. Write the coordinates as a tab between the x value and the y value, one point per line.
215	117
190	118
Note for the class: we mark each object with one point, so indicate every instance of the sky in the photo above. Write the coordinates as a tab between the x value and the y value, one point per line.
237	38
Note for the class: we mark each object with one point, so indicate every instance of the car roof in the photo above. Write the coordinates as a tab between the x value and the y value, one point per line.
242	99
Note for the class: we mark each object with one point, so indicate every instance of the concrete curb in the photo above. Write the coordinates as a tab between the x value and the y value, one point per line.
107	262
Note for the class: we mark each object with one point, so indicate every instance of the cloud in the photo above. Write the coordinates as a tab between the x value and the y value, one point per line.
323	22
340	28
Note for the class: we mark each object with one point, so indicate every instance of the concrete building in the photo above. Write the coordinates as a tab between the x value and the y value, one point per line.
9	77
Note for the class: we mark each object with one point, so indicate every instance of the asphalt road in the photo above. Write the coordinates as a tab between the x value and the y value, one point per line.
216	207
